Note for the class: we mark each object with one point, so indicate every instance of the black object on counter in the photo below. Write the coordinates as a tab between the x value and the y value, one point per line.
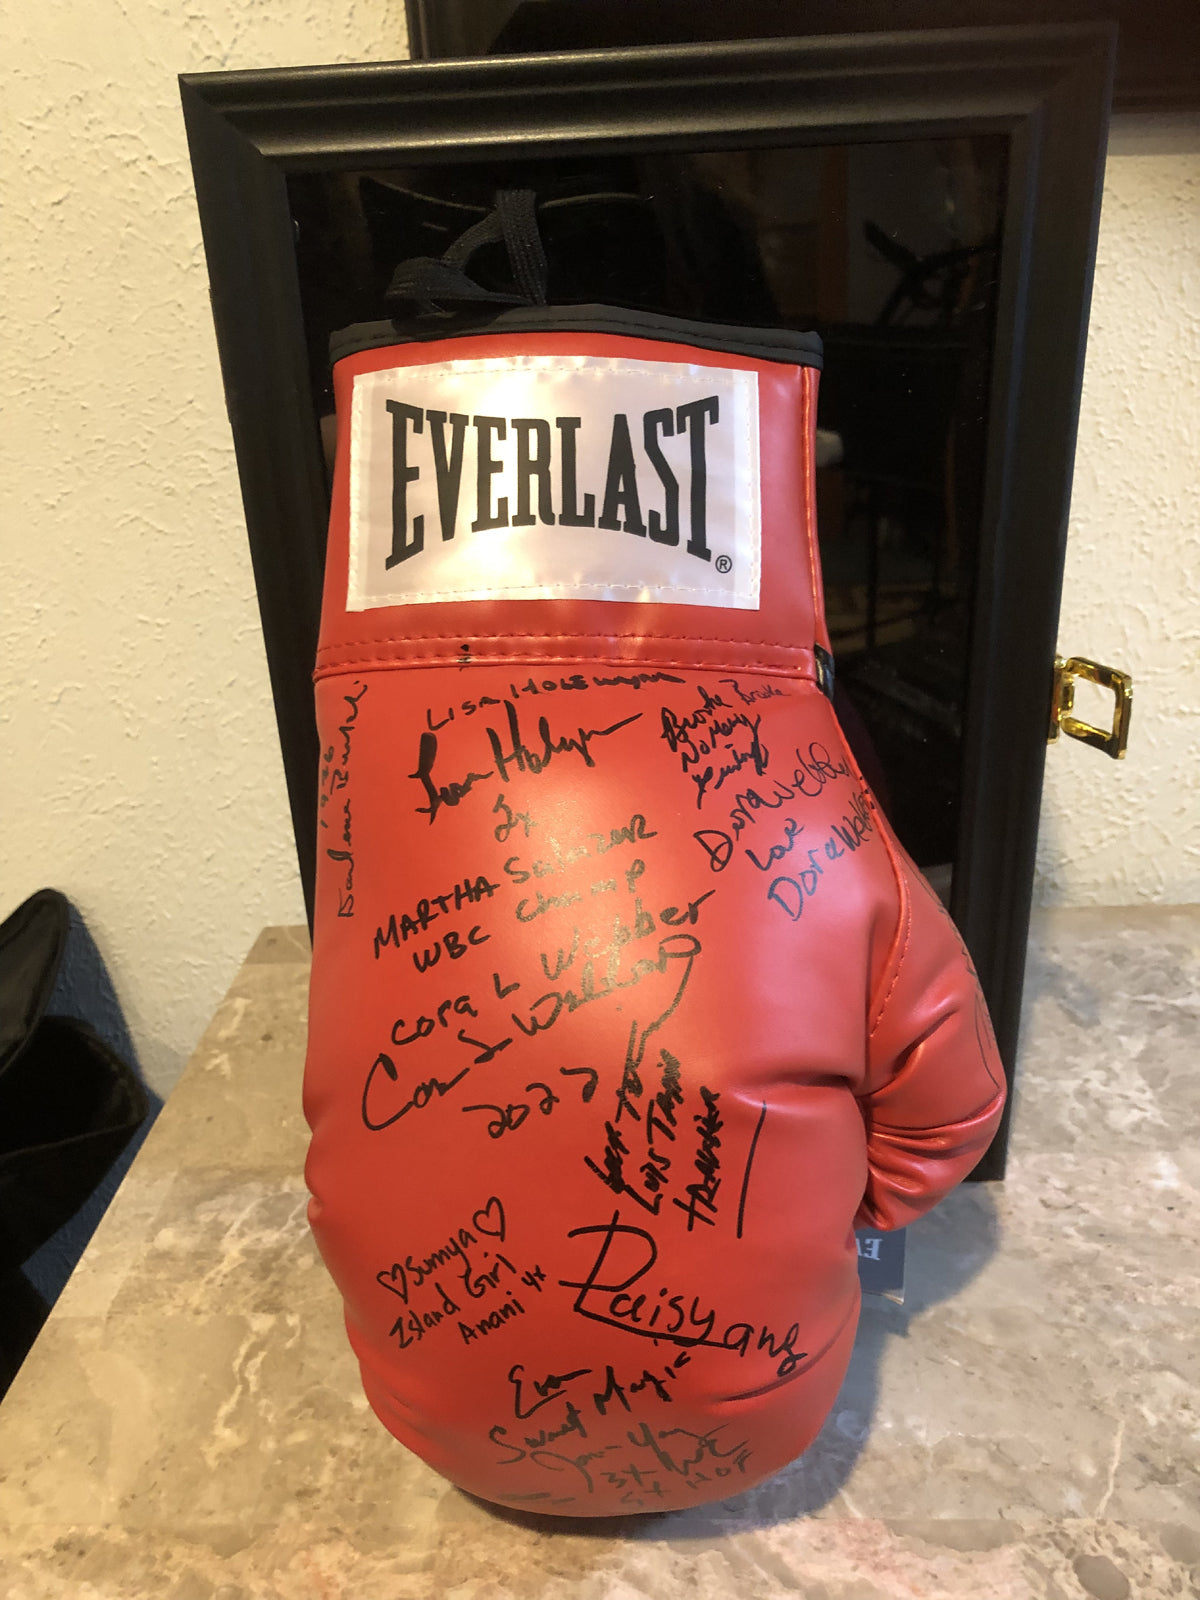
69	1104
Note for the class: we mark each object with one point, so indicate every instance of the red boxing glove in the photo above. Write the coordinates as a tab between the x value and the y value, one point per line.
625	1003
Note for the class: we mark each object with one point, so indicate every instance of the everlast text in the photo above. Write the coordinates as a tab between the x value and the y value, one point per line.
537	461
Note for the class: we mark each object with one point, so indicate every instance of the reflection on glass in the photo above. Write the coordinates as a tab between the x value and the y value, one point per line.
890	252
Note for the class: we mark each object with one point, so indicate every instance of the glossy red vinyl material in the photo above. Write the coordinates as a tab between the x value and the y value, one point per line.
626	1005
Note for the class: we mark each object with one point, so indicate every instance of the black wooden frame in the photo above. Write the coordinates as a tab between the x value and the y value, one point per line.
1047	88
1158	52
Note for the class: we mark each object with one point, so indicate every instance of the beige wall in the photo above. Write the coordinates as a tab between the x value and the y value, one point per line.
1118	833
140	769
141	772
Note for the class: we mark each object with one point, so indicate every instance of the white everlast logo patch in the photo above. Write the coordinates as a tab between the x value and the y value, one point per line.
551	477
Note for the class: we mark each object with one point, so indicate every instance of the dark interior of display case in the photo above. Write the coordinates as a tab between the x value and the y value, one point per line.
890	251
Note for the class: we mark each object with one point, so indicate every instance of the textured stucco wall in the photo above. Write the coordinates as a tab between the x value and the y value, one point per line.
140	769
1116	833
141	773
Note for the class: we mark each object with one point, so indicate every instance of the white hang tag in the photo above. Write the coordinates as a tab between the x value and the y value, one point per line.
555	477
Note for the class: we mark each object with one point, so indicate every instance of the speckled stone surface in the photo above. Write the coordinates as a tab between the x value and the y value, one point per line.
189	1426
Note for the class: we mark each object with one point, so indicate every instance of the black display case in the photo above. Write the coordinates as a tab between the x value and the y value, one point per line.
928	200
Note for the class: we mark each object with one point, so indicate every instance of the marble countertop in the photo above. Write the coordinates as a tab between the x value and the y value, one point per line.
189	1426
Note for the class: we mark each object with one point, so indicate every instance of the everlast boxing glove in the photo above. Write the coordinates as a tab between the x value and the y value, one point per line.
626	1003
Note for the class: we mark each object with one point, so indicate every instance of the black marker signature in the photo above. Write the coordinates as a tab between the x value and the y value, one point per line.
422	1095
415	923
615	1391
716	775
660	1122
698	734
813	770
520	757
701	1202
508	1118
335	777
549	1007
448	794
790	890
766	691
403	1277
534	1448
590	1073
432	1088
758	1128
663	1315
547	1389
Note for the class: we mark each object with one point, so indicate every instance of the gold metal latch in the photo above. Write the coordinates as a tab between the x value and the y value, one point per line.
1066	675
